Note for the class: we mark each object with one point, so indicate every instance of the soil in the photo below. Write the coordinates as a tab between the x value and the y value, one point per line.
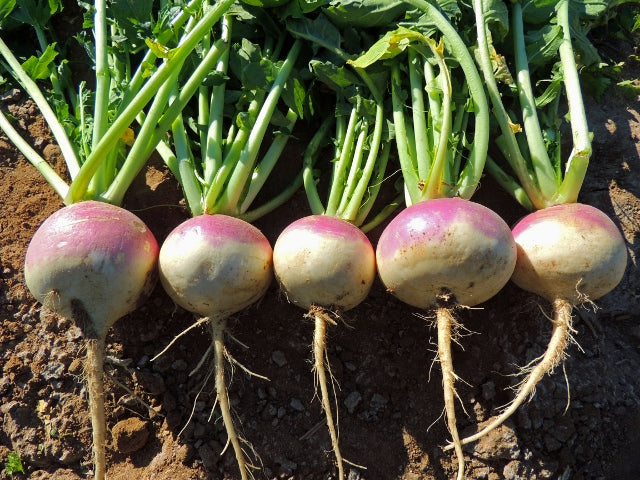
583	423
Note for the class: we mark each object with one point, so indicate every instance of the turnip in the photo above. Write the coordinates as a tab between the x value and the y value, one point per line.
216	263
93	263
215	266
442	252
324	263
568	253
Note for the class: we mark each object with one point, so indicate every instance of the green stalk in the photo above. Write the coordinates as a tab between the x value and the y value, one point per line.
268	162
372	188
58	131
354	168
203	101
542	167
460	126
104	174
234	146
340	166
103	75
578	161
507	127
472	173
274	203
111	136
138	154
151	135
435	111
357	195
411	179
235	187
420	128
309	158
212	155
508	184
383	214
49	174
186	167
434	187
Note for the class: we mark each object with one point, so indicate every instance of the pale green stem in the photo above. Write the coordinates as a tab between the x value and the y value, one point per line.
434	187
418	111
537	149
103	75
231	196
68	151
578	161
507	127
148	91
50	175
339	170
268	162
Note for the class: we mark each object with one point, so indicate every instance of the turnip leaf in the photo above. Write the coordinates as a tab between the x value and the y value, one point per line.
41	67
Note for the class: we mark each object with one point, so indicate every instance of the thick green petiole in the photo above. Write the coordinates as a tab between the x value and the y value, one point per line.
578	161
231	195
146	93
542	167
32	89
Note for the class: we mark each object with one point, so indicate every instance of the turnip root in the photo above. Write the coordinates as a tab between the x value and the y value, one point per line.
93	263
570	255
439	254
215	266
325	265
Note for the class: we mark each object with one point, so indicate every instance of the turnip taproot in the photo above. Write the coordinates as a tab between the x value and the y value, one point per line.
324	264
215	266
92	262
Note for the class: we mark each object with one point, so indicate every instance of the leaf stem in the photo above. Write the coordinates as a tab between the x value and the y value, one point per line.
58	131
578	161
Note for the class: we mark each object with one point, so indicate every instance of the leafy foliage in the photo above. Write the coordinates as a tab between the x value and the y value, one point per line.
13	464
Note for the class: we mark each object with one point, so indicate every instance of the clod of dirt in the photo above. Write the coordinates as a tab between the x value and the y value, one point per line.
499	443
130	435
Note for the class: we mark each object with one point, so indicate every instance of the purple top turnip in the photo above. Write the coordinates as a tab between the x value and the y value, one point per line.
439	254
215	265
324	261
445	245
572	252
93	262
569	254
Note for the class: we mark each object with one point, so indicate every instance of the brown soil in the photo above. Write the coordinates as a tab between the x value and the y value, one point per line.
583	423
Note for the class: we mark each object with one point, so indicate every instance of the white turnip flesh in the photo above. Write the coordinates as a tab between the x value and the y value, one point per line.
93	263
324	265
215	266
571	255
439	254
